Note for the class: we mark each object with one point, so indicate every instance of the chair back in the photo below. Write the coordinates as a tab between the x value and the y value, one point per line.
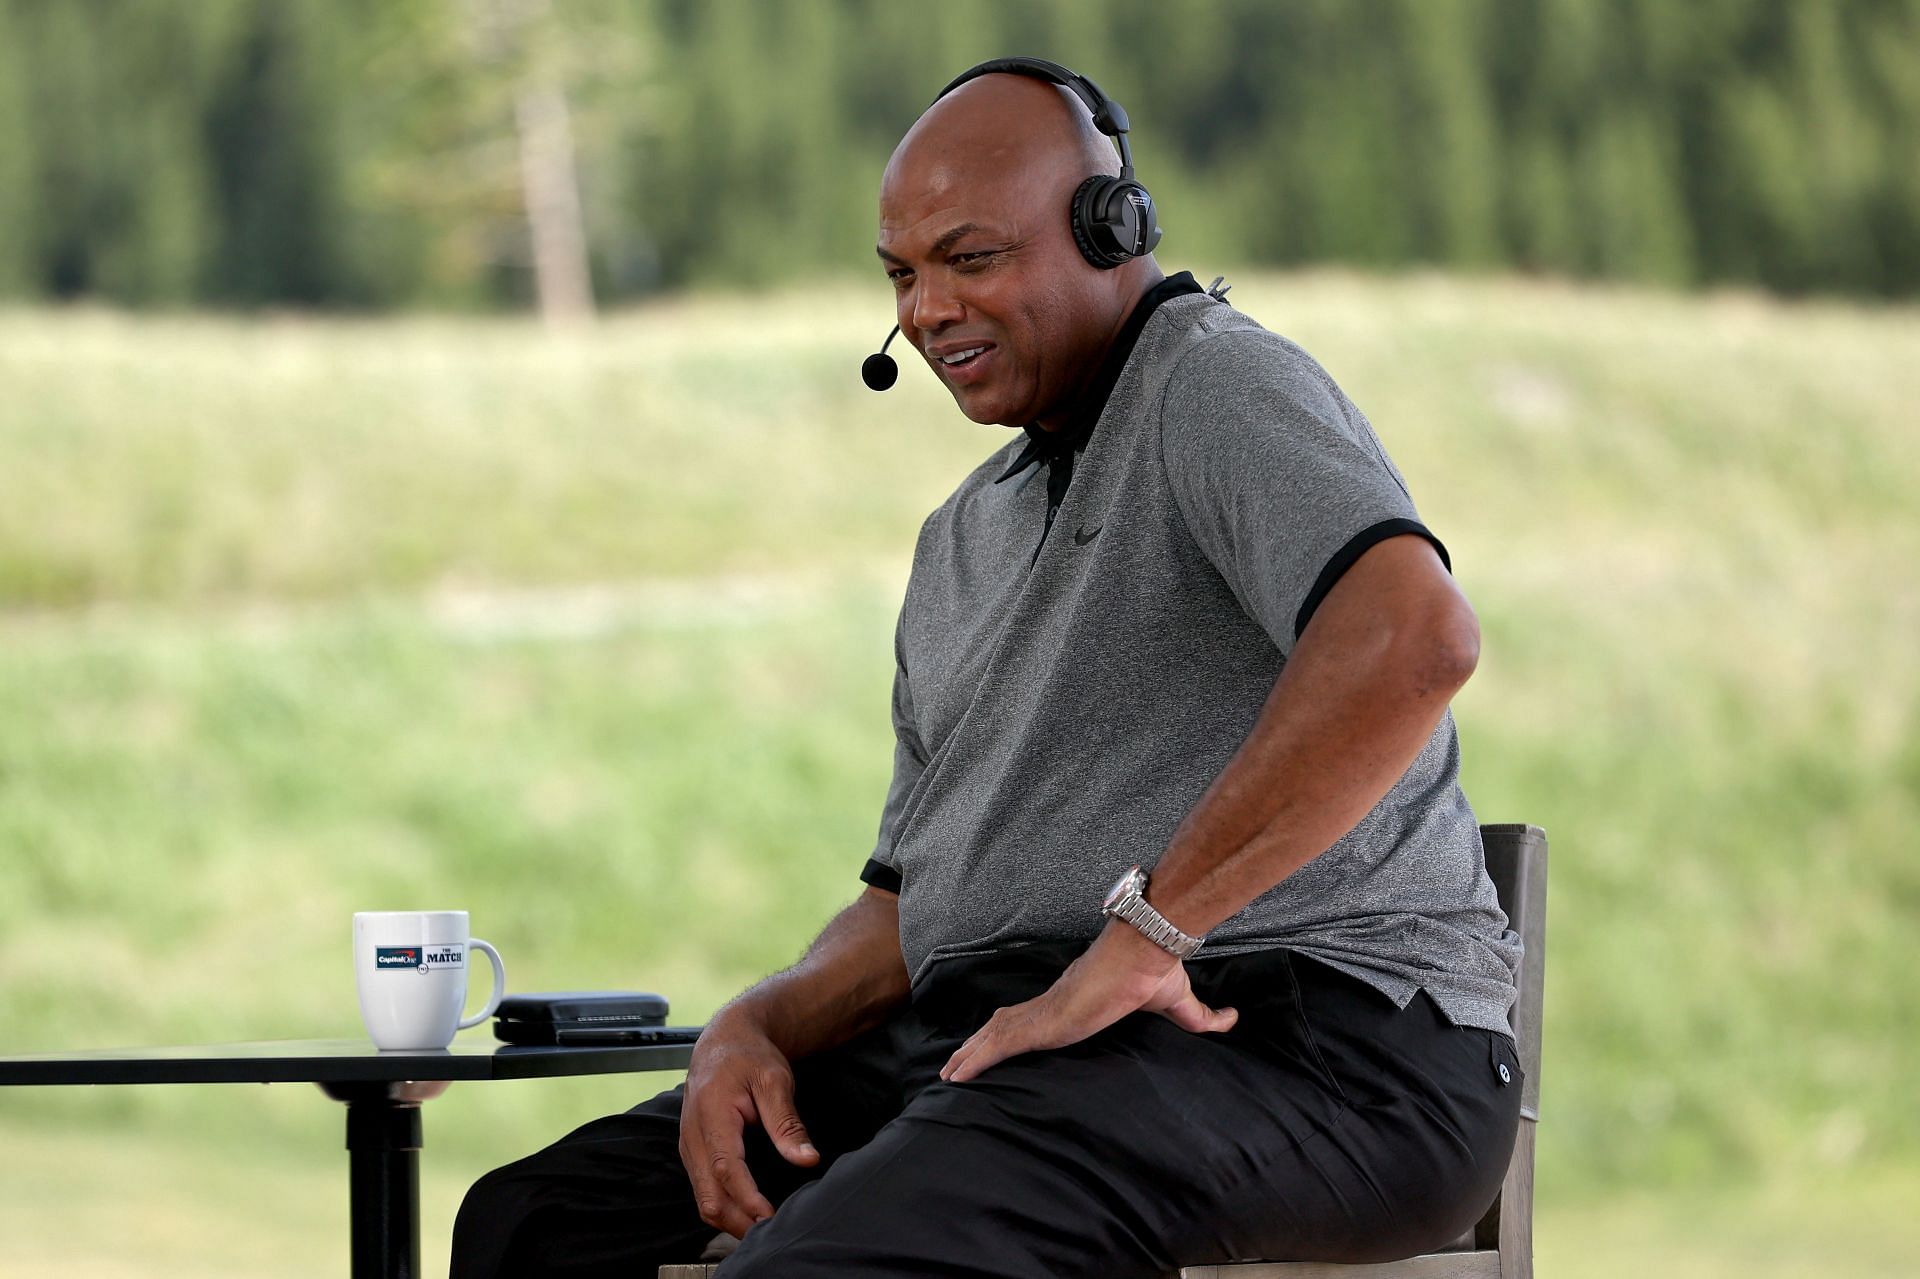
1517	863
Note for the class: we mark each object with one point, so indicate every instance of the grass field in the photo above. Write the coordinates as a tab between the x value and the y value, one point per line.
592	635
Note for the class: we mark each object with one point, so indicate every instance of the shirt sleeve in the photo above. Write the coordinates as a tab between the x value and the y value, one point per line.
1281	480
909	762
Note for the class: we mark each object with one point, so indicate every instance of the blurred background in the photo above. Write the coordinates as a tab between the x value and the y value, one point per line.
433	473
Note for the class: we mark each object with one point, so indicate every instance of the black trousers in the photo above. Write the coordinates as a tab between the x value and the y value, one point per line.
1326	1125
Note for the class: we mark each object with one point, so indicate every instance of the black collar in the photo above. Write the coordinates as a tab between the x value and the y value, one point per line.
1043	445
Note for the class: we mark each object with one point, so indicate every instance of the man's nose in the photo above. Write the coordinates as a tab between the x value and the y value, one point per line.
934	305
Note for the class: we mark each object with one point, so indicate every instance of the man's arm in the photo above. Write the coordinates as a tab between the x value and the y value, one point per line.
850	979
1372	674
742	1068
1365	686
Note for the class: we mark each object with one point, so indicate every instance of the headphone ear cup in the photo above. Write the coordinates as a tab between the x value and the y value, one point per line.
1114	220
1087	227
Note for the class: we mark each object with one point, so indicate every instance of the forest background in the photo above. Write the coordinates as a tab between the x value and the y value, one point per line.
332	578
362	152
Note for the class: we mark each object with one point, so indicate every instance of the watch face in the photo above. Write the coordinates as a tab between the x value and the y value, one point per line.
1119	888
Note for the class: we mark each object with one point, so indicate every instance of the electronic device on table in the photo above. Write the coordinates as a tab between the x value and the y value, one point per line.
572	1017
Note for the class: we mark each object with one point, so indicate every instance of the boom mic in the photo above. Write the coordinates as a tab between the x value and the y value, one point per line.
878	370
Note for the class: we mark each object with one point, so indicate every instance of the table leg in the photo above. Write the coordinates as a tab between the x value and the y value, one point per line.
384	1136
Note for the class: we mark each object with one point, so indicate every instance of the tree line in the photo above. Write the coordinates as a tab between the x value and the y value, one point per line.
374	153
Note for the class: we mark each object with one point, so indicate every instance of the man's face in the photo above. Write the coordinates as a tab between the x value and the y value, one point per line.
988	285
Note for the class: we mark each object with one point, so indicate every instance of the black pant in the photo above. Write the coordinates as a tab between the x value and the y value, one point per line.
1326	1125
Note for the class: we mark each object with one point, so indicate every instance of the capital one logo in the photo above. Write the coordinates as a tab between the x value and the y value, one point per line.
419	958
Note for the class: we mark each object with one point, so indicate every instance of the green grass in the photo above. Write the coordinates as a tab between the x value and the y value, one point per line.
592	636
198	459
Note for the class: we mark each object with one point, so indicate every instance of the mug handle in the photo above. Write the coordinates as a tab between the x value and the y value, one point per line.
499	984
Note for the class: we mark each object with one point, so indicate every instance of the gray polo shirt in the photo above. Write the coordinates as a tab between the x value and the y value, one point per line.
1058	714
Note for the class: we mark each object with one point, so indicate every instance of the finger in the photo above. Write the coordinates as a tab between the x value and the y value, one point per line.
715	1208
1191	1014
961	1055
992	1032
990	1044
732	1197
737	1186
706	1197
773	1095
722	1213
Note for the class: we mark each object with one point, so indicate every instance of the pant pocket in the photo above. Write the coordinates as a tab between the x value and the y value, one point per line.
1503	1060
1271	1027
1305	1017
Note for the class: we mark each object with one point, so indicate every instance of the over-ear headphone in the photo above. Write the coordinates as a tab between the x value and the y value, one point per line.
1113	217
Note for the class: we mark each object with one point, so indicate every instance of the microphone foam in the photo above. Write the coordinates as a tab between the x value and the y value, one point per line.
879	371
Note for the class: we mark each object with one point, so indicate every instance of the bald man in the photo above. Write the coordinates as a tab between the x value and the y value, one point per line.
1192	688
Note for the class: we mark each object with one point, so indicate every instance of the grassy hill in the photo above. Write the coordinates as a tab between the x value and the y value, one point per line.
591	636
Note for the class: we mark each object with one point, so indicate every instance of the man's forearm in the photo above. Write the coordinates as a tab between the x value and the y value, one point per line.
850	979
1351	710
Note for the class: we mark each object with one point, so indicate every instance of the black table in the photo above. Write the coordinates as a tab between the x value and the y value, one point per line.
382	1092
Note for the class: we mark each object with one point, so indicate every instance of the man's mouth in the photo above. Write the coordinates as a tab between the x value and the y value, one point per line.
962	364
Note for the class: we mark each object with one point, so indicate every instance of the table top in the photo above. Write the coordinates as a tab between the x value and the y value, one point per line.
334	1061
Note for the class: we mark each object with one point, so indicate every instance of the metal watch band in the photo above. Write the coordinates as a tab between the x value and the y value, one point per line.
1136	911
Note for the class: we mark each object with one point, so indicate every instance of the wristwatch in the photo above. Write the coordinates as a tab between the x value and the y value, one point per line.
1127	900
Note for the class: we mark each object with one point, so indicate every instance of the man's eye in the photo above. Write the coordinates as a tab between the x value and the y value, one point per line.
899	278
971	261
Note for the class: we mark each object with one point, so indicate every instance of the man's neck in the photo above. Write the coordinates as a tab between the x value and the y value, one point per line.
1150	276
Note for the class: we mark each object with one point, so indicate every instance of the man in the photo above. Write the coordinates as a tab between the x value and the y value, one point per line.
1216	645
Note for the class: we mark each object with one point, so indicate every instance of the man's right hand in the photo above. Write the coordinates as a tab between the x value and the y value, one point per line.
737	1076
850	979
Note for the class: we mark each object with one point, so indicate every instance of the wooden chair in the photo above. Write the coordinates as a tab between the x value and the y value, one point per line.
1501	1245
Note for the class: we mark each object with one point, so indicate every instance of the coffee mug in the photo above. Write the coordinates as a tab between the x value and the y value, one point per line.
411	969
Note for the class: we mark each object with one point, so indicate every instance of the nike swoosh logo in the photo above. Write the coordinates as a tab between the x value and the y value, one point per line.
1081	537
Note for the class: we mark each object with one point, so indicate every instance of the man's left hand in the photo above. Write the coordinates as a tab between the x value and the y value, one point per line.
1122	972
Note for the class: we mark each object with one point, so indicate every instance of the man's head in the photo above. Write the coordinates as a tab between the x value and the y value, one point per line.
974	234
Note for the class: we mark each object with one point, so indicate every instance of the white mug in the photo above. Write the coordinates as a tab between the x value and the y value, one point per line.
411	970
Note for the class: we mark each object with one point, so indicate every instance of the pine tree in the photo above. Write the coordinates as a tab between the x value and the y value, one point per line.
18	261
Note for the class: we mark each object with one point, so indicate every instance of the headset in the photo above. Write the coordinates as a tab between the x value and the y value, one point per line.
1112	216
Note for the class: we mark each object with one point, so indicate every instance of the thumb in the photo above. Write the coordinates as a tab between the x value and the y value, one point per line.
1191	1014
774	1099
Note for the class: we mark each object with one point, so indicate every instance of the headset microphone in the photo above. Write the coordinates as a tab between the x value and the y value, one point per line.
878	370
